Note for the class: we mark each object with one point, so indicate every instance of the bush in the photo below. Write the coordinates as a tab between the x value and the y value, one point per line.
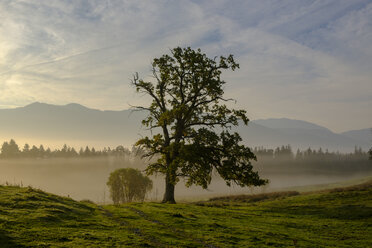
127	185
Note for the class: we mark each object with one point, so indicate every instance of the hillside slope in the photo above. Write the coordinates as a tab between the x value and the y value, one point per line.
333	218
32	218
361	134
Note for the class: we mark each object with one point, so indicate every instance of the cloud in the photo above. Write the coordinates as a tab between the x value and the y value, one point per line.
298	59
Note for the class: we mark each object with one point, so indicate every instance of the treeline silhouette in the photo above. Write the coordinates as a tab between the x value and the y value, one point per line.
314	159
285	152
279	158
12	150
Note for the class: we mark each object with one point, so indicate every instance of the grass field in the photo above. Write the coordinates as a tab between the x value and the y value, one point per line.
340	217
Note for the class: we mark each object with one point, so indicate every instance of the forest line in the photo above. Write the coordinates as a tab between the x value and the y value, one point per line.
10	149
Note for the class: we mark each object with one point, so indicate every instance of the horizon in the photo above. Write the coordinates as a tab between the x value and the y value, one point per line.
301	60
270	118
78	126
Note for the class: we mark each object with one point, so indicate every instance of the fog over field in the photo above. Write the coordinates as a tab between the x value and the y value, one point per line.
85	178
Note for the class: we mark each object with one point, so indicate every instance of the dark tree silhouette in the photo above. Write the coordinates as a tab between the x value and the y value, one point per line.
10	150
34	152
26	150
87	151
41	151
187	106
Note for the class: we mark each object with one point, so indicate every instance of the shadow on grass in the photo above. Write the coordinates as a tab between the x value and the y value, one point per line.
345	212
7	242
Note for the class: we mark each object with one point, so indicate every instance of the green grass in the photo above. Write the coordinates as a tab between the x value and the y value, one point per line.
339	217
32	218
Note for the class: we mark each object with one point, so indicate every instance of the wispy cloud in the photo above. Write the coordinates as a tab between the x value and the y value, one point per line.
300	59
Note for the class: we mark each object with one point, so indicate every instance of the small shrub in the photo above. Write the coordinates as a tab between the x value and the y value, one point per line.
127	185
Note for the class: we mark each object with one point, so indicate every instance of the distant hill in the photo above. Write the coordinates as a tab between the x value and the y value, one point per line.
257	135
361	134
73	124
302	134
284	123
77	125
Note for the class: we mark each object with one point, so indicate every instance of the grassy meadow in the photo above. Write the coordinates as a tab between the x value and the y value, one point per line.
339	217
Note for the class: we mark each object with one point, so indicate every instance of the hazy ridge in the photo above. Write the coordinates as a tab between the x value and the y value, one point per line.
77	125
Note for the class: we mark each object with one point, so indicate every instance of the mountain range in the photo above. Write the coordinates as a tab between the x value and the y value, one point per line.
76	125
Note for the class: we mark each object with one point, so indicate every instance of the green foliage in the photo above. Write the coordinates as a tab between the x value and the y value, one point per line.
187	106
127	185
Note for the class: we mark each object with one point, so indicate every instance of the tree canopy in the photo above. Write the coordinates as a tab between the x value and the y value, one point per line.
188	108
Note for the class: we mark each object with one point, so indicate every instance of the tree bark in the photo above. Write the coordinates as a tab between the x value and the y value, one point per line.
169	191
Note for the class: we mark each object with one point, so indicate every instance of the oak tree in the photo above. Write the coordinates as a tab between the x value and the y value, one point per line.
189	110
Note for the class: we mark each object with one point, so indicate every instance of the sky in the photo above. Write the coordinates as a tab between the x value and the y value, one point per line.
301	59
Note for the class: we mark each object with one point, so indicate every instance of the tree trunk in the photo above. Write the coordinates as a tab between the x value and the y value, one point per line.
169	191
